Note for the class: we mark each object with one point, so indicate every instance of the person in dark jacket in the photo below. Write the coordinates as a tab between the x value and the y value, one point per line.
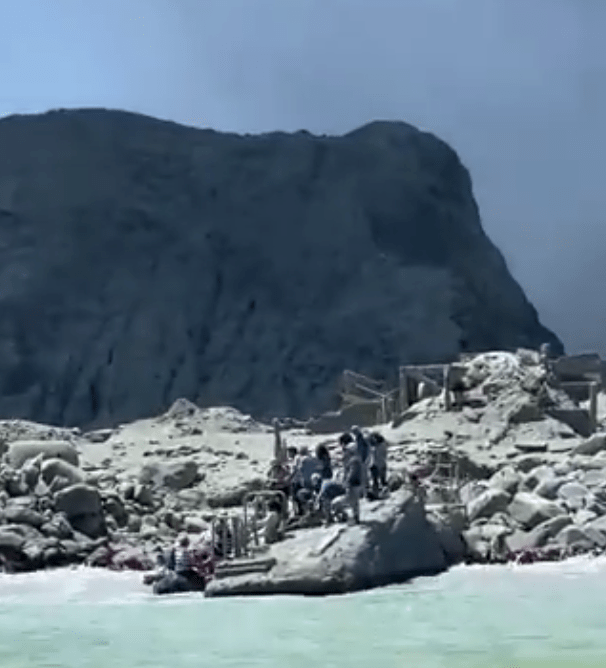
323	456
378	462
363	452
353	473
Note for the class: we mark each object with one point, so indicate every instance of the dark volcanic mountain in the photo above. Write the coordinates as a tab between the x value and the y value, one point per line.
142	261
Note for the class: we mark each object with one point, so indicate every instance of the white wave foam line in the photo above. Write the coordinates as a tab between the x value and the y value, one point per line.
571	566
74	585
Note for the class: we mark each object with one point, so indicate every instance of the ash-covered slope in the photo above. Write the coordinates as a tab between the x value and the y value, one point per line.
141	261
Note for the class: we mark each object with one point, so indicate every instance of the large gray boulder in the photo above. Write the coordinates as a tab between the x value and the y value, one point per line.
529	509
394	542
174	475
575	535
536	476
51	468
540	535
83	508
488	503
20	451
591	446
21	515
479	538
506	479
548	487
573	494
166	261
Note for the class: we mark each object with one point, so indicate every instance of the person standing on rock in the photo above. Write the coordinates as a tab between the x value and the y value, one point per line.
378	462
363	452
353	474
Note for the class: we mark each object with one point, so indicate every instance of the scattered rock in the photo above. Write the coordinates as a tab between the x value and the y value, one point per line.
592	445
58	527
574	535
177	475
548	488
486	504
471	490
235	496
114	507
143	494
584	516
537	475
53	467
529	509
17	515
528	462
531	447
20	451
193	524
544	531
506	479
82	506
573	493
479	538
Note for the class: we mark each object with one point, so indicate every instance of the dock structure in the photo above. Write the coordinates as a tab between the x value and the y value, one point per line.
580	376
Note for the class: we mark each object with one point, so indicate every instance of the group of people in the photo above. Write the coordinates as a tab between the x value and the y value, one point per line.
310	489
313	484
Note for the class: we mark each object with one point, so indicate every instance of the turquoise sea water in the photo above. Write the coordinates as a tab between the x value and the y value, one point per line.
490	617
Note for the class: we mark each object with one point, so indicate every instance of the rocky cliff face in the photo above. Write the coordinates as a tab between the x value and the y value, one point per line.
141	261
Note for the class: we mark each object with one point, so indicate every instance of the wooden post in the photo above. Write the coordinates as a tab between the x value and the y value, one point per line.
235	524
404	399
279	451
383	410
447	397
593	406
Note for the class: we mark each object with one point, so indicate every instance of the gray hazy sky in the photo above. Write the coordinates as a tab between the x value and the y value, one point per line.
518	87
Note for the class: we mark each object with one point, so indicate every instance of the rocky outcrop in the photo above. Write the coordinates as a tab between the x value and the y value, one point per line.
141	261
394	542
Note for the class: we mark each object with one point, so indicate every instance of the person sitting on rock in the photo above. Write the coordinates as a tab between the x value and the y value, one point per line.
306	496
274	530
330	490
323	456
279	477
179	576
180	560
305	467
378	463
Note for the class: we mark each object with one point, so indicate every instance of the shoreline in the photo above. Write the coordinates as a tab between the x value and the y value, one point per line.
526	480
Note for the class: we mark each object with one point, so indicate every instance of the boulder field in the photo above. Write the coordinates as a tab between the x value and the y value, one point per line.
526	481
